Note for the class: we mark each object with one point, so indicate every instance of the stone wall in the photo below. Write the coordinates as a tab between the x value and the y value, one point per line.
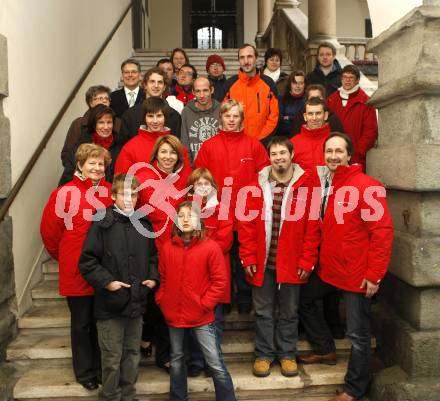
7	287
407	161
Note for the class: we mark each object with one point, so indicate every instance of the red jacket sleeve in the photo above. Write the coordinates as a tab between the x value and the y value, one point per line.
51	227
247	234
223	235
272	118
218	278
369	130
381	238
312	232
261	157
123	162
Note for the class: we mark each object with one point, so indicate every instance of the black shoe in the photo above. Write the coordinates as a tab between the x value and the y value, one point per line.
207	372
146	352
244	308
195	371
90	384
164	367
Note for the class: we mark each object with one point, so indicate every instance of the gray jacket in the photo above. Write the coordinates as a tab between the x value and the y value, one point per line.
198	126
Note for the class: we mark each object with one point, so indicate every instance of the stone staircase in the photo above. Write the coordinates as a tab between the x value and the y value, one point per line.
41	355
148	59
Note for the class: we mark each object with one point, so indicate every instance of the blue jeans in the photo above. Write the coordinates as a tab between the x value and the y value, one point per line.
210	346
357	308
195	353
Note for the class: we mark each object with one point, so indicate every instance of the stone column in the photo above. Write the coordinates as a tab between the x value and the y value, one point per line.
322	27
7	287
407	161
264	17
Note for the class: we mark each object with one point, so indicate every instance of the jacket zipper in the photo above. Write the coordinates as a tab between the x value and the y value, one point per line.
258	102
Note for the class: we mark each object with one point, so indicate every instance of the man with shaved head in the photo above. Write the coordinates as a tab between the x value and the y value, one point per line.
200	117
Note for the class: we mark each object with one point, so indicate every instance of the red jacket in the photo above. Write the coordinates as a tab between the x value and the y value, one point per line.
308	146
139	148
298	238
193	281
162	196
183	96
219	229
260	102
65	243
359	121
352	247
232	154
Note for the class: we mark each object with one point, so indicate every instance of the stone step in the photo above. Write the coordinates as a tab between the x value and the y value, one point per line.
51	346
59	383
56	314
51	266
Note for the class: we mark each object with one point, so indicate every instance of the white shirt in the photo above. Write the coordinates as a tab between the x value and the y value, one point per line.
175	103
127	91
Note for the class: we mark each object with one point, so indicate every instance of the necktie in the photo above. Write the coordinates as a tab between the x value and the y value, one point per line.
132	99
324	198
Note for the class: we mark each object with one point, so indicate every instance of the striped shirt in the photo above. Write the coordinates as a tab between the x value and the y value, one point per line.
278	194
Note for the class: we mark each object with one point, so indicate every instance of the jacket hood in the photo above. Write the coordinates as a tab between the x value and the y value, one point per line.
192	105
263	175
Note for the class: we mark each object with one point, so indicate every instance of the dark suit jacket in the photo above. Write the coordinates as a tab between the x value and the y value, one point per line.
132	120
118	100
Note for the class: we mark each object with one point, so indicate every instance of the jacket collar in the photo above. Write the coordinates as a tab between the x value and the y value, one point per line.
180	243
298	173
341	174
318	133
143	131
246	79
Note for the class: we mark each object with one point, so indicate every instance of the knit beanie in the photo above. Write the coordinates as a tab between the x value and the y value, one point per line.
215	58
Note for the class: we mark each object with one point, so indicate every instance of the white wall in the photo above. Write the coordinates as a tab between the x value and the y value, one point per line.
50	44
385	13
165	24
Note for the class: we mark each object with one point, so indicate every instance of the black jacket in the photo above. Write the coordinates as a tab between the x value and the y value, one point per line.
132	120
118	100
70	161
331	82
219	85
115	250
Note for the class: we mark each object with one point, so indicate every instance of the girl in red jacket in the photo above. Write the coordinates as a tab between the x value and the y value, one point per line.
193	277
218	227
66	219
163	183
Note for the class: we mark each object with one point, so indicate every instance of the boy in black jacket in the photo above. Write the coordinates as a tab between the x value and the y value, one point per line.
121	265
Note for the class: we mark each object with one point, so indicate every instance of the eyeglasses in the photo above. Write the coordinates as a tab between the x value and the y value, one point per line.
102	98
186	74
216	65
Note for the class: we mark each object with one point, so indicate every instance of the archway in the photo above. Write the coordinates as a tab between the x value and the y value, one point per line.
225	16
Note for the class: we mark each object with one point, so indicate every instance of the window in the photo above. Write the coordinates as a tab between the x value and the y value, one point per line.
209	38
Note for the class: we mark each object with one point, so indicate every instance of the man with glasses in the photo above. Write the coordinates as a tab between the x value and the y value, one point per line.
359	119
215	67
97	94
185	79
131	94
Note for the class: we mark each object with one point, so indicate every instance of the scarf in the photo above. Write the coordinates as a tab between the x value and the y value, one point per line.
274	75
105	142
346	94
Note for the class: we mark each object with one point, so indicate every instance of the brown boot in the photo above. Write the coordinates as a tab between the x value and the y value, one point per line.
261	367
288	367
343	397
326	359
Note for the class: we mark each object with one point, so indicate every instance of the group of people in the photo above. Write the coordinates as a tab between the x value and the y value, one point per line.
184	195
